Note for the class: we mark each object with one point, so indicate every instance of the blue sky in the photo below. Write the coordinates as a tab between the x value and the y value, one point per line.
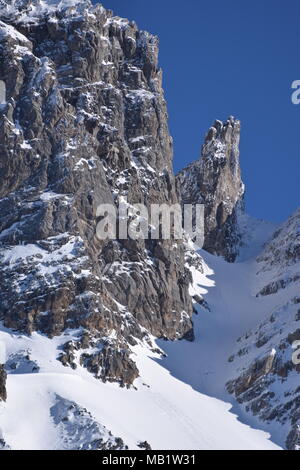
239	58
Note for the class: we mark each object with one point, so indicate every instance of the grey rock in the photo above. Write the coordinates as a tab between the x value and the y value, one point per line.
107	359
144	445
215	181
293	439
111	364
3	376
259	368
85	122
265	378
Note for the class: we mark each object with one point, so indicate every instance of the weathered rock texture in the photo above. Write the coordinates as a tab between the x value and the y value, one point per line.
215	181
266	380
102	357
3	375
85	122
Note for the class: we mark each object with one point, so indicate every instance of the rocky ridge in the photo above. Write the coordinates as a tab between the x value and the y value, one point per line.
84	123
3	376
215	181
266	381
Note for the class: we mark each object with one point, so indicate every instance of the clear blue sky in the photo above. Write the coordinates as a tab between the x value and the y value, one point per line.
232	57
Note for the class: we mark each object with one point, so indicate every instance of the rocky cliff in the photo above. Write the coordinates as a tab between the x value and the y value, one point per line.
84	122
3	376
215	181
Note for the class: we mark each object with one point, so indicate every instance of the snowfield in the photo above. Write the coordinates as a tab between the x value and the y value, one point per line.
179	401
169	415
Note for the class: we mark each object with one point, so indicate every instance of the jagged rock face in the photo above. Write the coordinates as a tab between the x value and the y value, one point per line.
33	10
3	376
279	262
266	378
111	365
102	358
84	123
293	439
215	181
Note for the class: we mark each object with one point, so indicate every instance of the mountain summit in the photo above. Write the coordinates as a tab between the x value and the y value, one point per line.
215	181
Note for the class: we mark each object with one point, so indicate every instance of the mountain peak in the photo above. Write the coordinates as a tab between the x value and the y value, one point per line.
215	181
24	11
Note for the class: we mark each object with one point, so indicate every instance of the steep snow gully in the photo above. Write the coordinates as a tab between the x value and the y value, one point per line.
229	290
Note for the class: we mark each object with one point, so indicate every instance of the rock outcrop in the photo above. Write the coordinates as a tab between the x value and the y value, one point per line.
266	381
84	123
104	358
3	376
215	181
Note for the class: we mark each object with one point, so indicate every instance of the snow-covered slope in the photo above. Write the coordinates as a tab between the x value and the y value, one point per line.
215	181
85	118
164	409
265	379
178	402
180	399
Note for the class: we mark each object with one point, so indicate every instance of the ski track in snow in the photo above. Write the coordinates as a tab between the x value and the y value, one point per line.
184	407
